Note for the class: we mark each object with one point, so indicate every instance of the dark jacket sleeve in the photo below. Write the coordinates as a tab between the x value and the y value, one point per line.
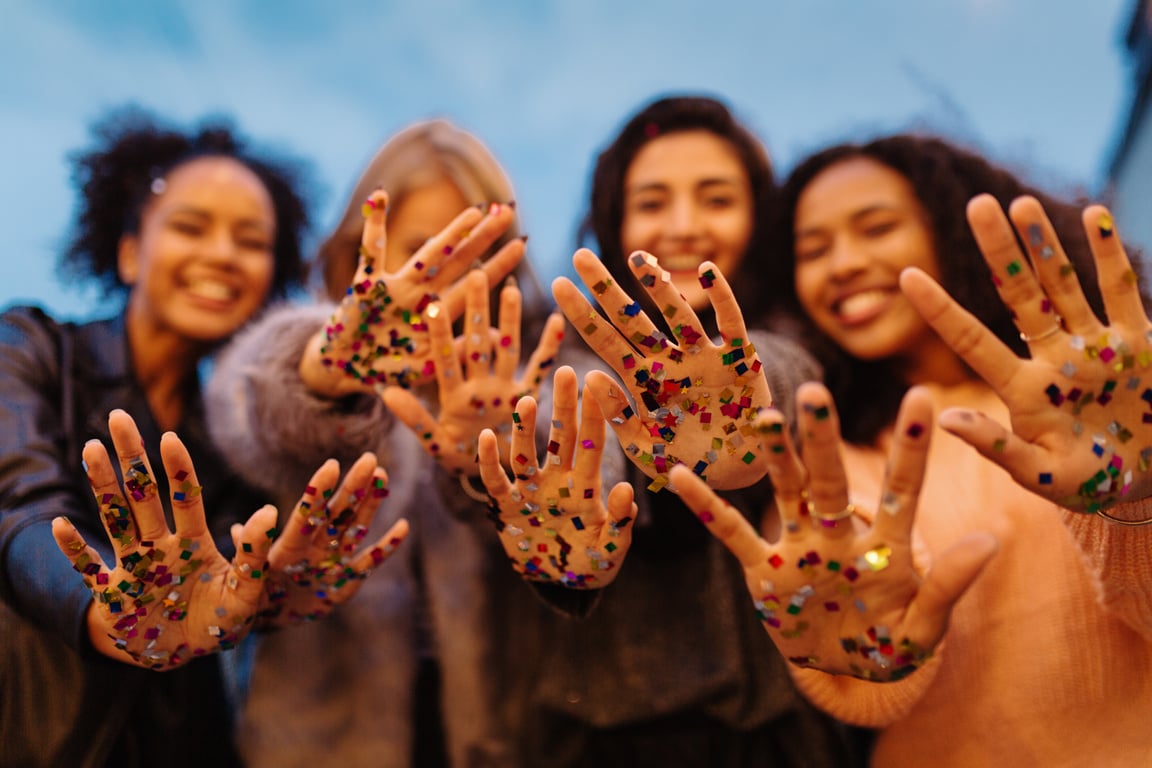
39	481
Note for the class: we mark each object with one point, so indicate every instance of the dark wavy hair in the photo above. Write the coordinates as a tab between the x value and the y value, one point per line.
674	114
944	177
130	150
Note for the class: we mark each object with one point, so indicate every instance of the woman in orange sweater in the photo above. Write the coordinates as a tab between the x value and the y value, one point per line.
1005	605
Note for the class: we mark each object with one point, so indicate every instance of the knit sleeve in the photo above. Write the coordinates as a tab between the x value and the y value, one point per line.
271	428
1119	558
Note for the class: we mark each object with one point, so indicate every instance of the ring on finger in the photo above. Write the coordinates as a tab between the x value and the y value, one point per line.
1057	326
830	521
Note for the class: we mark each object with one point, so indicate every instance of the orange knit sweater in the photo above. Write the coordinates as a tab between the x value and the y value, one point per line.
1048	659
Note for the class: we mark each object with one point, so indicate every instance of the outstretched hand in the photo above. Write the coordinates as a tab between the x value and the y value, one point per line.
835	593
552	521
1081	405
378	336
686	400
480	393
169	596
320	560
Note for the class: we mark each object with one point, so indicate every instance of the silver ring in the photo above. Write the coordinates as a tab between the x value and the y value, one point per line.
1057	326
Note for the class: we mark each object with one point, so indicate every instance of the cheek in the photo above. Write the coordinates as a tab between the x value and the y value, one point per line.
807	284
637	233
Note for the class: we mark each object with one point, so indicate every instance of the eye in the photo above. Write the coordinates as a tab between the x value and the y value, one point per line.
648	205
812	252
879	228
720	201
187	227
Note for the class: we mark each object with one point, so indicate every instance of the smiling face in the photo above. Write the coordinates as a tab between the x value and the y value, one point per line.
858	223
202	263
687	199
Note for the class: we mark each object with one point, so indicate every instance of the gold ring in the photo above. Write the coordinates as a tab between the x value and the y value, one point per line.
1056	328
848	511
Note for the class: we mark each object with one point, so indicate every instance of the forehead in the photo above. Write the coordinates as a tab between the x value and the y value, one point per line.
214	184
851	185
685	154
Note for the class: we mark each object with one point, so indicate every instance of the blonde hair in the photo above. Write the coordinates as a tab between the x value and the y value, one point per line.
416	157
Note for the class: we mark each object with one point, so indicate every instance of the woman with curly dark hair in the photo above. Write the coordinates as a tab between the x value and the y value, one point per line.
976	607
196	232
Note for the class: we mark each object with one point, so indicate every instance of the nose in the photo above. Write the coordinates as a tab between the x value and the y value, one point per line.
219	245
684	219
846	259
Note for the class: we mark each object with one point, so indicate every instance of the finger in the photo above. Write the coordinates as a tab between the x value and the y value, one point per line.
1027	463
523	450
960	330
115	513
477	325
819	426
506	353
185	491
496	268
952	572
85	560
593	431
492	474
250	565
352	507
621	505
789	479
1118	282
1016	283
308	520
451	253
729	318
601	336
438	263
373	237
722	520
677	312
563	431
139	480
1061	294
543	357
411	412
622	310
630	430
444	361
367	561
907	462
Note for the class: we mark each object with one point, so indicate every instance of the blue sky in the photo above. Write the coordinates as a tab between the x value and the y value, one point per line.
1039	84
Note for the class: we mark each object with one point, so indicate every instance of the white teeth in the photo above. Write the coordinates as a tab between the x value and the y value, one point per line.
680	262
859	303
212	290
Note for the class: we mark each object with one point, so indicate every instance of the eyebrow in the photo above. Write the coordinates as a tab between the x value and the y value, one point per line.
185	209
660	185
854	216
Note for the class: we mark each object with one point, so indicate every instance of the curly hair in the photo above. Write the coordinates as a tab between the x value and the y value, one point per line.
675	114
944	177
131	149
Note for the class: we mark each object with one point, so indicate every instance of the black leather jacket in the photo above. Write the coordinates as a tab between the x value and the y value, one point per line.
62	703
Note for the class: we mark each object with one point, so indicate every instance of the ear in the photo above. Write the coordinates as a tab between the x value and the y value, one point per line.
128	259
